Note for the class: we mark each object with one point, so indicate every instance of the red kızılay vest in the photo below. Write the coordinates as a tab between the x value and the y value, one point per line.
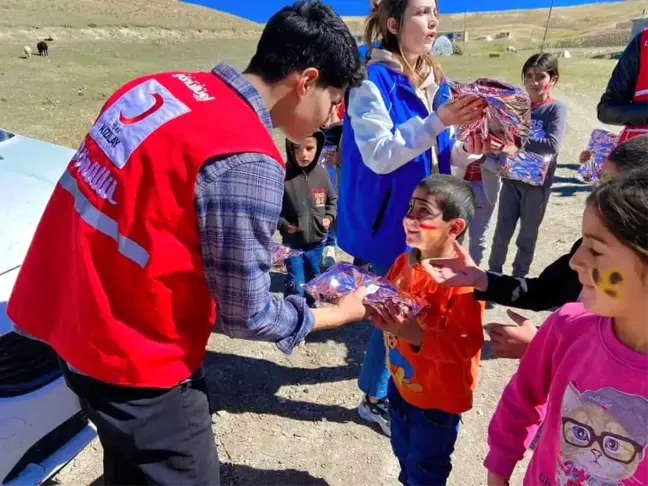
641	90
114	279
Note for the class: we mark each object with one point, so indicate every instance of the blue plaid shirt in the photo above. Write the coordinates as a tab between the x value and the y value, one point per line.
238	202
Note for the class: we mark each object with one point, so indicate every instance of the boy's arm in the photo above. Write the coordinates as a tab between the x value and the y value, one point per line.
522	407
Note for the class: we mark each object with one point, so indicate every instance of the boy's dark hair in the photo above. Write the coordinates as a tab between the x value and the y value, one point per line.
622	203
308	34
544	62
454	196
630	155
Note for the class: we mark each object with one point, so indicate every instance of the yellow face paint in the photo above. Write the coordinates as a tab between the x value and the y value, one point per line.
609	282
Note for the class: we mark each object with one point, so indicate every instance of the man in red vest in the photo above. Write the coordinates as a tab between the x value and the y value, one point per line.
625	102
162	220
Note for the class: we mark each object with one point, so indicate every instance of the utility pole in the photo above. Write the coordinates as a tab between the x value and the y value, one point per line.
465	30
544	38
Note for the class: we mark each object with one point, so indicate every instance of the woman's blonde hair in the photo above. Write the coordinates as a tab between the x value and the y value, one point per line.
376	30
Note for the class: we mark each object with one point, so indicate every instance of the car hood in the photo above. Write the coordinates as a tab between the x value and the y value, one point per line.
29	171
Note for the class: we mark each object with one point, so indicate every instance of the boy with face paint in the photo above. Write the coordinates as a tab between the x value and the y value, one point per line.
556	285
433	357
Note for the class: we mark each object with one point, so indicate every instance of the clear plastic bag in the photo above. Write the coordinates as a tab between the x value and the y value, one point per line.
279	254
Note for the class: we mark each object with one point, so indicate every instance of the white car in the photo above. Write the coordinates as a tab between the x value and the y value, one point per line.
42	426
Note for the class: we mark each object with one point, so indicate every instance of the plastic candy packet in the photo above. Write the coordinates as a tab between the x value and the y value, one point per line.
600	145
279	253
526	167
507	120
344	278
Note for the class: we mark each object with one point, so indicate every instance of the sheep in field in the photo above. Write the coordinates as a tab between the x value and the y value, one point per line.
28	51
42	48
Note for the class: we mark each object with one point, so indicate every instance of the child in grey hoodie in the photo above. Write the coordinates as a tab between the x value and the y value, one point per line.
308	211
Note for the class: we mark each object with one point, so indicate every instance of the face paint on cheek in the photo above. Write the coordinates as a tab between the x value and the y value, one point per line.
429	229
610	283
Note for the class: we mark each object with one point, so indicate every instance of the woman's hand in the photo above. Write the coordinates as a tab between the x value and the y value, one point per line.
461	111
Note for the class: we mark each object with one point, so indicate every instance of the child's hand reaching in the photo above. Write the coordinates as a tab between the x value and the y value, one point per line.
399	321
292	229
326	222
495	480
457	271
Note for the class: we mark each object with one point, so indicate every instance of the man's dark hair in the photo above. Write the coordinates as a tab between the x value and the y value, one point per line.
544	62
630	155
308	34
454	196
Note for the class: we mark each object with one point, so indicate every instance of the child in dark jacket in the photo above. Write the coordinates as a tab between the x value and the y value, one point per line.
308	211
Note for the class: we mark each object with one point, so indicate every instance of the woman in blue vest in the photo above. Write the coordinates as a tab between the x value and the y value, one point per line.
397	130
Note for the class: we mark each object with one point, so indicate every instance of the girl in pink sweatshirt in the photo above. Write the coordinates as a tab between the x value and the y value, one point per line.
585	375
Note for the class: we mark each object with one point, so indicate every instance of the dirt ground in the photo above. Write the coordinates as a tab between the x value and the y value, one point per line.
291	420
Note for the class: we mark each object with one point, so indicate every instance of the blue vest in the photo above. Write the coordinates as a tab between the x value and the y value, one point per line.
372	207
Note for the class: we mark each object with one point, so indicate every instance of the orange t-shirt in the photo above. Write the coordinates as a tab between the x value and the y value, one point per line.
442	373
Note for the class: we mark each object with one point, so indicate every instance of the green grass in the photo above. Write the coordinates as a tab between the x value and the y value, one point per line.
56	98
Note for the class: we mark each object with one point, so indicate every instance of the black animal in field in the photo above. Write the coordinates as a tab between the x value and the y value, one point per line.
42	48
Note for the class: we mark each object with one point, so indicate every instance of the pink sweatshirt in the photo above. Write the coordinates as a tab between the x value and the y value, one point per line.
592	393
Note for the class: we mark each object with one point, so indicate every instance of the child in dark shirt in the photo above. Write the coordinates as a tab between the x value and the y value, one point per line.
308	211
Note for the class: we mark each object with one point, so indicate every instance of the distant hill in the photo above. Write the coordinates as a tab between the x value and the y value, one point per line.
592	25
118	19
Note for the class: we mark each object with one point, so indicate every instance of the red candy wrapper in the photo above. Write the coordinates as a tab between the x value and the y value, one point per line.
507	120
600	145
344	278
279	253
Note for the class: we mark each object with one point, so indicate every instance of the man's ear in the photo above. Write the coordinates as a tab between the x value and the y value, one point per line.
307	81
457	227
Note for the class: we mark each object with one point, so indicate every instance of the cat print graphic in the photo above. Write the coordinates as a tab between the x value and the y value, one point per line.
604	437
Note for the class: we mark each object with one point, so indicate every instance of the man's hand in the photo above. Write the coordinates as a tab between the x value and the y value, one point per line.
326	222
351	305
495	480
457	271
392	319
292	229
584	156
511	341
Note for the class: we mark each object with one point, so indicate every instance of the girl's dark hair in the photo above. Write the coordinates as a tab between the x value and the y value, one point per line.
622	204
376	31
544	62
454	196
630	155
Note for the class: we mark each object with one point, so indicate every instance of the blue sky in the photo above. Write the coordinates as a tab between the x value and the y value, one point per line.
261	10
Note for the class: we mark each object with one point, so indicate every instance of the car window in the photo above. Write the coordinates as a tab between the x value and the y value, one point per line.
5	135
